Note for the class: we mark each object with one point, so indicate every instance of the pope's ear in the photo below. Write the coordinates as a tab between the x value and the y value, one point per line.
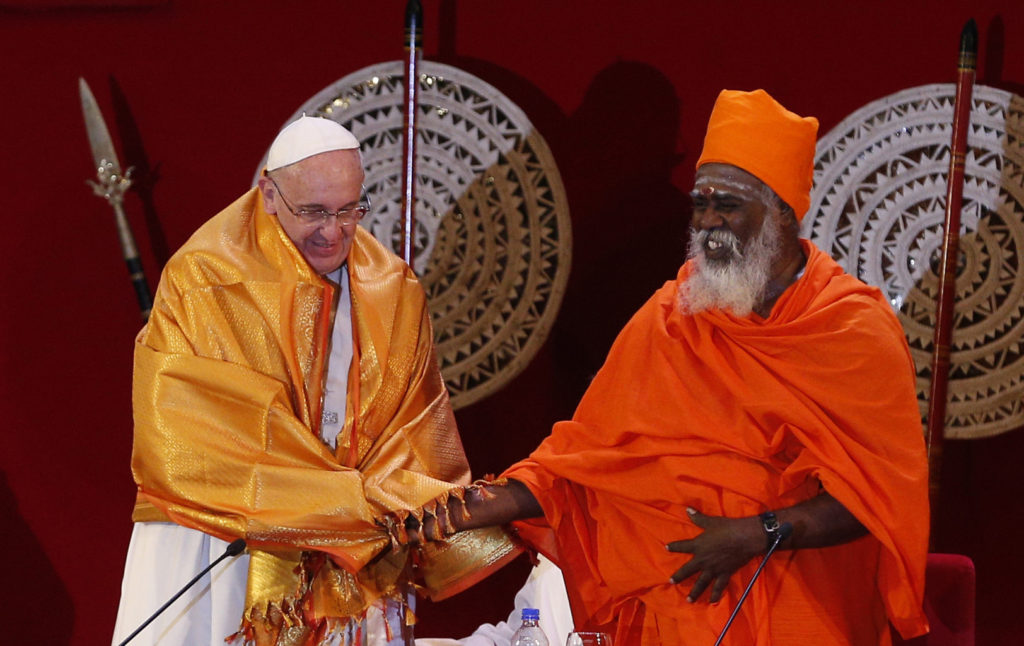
267	190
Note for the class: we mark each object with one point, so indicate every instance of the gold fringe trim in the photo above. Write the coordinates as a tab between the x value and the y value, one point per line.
397	523
299	619
285	623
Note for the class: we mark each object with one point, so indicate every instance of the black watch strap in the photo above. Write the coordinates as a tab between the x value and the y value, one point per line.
771	528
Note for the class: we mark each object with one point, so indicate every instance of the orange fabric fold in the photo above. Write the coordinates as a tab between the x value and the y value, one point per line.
735	416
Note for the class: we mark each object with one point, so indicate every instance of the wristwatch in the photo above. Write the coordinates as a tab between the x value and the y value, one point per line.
771	528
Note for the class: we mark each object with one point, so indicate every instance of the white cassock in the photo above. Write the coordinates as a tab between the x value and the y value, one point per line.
163	557
545	590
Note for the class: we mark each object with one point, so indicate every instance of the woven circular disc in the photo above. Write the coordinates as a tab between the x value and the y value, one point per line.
493	235
878	207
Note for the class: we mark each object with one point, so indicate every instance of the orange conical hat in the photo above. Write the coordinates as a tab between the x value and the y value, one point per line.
752	131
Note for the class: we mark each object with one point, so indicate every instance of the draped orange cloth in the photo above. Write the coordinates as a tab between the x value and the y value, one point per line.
227	401
735	416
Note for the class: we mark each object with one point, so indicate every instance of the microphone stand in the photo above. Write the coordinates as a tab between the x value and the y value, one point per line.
784	531
234	549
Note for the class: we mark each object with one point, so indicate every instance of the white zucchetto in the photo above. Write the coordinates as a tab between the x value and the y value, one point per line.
308	136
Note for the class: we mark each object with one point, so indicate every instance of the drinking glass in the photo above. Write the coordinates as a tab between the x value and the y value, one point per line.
588	639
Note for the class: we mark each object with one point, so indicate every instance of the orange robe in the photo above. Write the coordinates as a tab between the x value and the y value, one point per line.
735	416
227	402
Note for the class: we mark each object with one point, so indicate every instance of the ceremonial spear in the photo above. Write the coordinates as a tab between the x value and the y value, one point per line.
413	49
111	184
966	66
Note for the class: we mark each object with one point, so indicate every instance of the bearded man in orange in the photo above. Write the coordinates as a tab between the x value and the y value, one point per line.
763	385
286	392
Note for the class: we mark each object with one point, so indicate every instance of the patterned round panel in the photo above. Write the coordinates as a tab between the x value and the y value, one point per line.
878	207
493	235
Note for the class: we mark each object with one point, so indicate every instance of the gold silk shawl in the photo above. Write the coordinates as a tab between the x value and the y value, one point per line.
227	399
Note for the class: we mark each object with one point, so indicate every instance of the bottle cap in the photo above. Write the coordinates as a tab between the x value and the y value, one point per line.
531	614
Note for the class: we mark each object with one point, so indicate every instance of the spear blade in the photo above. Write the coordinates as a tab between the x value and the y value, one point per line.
111	184
102	146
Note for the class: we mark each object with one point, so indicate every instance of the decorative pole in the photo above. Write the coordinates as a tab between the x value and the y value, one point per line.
111	184
966	66
413	50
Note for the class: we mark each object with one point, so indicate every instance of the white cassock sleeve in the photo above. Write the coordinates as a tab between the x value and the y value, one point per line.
545	590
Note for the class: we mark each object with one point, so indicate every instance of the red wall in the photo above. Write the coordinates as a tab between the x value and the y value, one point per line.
197	89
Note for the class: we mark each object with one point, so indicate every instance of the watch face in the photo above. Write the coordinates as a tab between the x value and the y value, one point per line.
771	529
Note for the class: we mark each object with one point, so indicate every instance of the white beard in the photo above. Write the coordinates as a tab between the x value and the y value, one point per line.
737	283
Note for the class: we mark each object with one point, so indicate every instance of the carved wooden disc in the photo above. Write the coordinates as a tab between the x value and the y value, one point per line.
493	234
878	207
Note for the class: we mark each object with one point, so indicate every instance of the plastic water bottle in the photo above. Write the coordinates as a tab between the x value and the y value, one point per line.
529	633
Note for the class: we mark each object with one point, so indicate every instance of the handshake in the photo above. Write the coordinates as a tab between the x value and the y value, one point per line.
484	503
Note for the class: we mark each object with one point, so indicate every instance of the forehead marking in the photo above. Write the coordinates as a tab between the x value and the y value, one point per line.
718	183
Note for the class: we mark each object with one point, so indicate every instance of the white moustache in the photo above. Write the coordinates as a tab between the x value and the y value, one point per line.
715	239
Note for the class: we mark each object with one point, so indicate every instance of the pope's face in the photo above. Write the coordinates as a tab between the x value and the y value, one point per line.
329	181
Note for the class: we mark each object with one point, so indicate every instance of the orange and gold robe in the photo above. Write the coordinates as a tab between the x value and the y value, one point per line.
735	416
227	396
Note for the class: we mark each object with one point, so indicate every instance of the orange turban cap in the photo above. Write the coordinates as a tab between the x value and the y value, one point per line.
752	131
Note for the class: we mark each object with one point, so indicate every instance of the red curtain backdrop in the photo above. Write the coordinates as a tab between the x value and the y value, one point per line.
194	91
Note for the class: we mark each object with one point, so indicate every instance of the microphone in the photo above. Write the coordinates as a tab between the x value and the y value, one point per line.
234	549
785	530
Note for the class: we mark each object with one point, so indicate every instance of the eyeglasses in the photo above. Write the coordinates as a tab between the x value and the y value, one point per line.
318	217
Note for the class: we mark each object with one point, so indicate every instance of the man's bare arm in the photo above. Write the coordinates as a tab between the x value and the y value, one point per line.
484	506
